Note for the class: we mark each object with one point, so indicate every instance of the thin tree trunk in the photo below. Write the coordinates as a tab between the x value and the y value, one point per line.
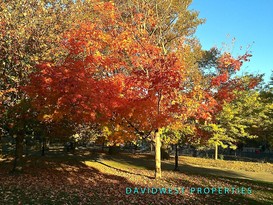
43	147
48	143
26	144
1	147
17	166
157	156
176	167
216	151
152	147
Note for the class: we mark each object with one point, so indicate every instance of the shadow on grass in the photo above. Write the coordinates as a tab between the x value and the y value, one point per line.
147	162
232	178
65	179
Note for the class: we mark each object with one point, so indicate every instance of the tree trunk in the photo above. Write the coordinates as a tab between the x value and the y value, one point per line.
152	148
1	147
176	167
157	156
216	151
26	144
17	166
48	143
43	147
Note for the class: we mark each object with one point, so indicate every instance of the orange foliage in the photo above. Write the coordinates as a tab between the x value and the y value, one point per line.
113	70
222	86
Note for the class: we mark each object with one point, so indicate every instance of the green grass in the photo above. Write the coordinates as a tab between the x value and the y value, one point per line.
232	165
102	179
237	169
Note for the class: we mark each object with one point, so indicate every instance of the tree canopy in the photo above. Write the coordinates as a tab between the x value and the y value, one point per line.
132	69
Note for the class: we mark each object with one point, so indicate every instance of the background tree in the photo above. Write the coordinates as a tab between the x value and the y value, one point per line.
221	88
262	124
178	134
30	32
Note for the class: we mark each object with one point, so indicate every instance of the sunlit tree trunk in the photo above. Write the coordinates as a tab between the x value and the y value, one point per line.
157	155
216	151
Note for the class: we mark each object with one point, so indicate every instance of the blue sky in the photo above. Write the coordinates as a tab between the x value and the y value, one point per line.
247	21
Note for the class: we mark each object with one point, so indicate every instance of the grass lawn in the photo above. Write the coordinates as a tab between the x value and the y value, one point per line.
88	178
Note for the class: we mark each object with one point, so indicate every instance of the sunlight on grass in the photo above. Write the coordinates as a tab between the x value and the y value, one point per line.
122	165
231	165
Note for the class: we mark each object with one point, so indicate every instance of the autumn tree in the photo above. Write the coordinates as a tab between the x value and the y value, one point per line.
169	25
115	71
262	123
86	86
220	88
30	32
161	94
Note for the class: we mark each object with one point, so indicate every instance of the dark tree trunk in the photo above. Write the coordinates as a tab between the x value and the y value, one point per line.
26	144
134	149
176	167
1	148
17	166
43	146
